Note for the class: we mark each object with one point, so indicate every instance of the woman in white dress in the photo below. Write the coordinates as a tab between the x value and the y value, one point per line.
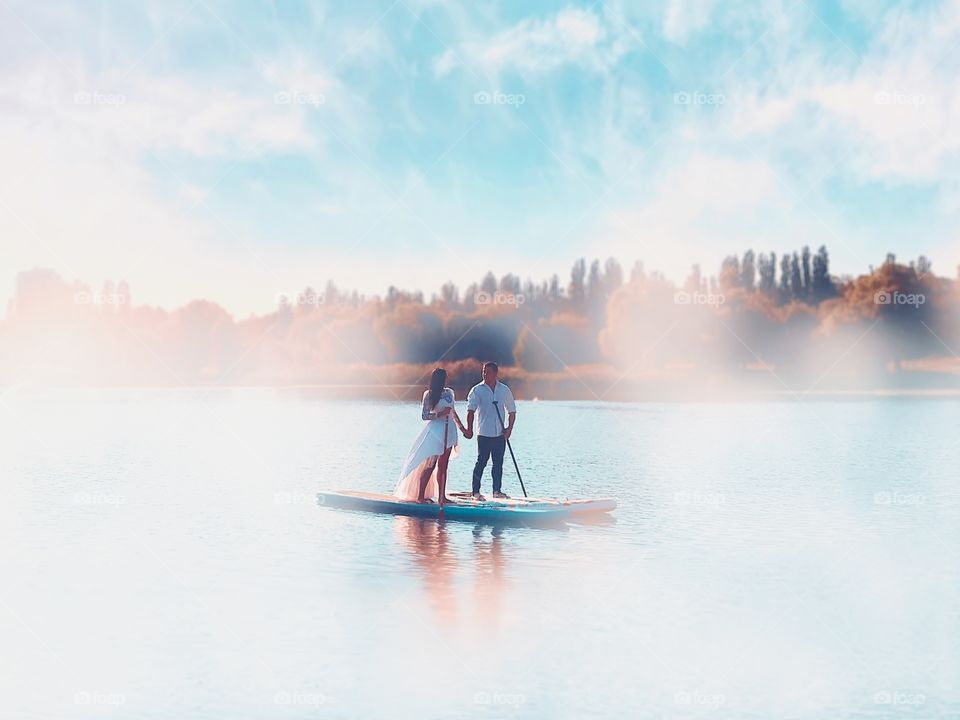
424	474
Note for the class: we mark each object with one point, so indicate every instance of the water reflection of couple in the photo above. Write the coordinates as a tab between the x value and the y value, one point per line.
424	474
442	569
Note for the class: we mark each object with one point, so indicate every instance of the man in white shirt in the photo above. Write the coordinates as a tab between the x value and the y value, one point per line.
491	440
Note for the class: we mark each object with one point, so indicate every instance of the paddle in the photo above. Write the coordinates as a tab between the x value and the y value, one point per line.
513	457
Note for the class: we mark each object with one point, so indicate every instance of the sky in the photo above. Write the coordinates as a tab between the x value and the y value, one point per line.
234	151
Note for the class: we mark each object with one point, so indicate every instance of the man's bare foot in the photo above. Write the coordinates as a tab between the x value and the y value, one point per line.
501	496
447	501
477	496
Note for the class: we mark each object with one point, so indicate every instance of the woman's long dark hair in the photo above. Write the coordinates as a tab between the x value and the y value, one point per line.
438	380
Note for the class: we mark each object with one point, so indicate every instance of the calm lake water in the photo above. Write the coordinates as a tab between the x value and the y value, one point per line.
163	556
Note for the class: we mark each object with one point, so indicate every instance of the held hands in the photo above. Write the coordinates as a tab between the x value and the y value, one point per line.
467	431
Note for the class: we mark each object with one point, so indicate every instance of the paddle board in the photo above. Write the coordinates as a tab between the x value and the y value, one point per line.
466	508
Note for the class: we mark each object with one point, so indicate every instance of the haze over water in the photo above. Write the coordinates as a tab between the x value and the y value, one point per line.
163	556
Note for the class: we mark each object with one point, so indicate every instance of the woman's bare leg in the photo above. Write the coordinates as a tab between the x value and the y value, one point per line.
442	477
424	479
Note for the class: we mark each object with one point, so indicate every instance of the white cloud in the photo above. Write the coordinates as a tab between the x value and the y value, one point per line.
296	74
87	190
226	123
445	62
91	213
76	196
756	116
684	18
705	207
572	36
898	111
144	112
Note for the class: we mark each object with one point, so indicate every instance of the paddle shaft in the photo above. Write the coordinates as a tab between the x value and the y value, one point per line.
513	457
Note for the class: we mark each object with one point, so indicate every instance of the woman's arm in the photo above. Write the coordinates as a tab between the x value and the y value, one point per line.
426	413
450	397
446	404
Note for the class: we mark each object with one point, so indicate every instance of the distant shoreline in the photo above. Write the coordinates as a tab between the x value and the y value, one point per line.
411	393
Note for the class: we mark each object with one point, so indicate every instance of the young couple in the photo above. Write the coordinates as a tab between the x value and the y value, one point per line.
424	475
